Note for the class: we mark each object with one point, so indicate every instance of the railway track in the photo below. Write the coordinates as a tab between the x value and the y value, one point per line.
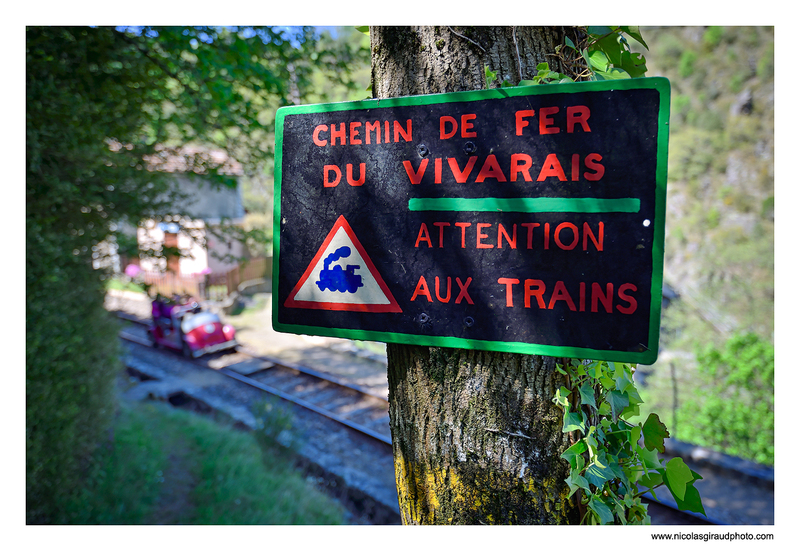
360	409
353	406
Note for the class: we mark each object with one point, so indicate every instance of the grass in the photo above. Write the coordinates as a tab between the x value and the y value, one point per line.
169	466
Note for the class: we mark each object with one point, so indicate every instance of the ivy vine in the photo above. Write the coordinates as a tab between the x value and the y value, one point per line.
614	461
602	53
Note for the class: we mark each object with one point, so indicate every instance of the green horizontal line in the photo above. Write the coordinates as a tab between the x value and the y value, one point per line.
537	204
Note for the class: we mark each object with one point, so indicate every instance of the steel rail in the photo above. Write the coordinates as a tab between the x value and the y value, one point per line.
284	395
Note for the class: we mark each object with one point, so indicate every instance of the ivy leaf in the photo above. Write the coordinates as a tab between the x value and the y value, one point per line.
649	458
634	435
678	476
631	411
527	83
612	74
490	75
561	397
573	452
595	30
691	501
587	395
611	46
598	61
597	473
576	481
622	377
601	510
633	395
634	64
654	432
634	33
650	481
680	479
573	421
618	402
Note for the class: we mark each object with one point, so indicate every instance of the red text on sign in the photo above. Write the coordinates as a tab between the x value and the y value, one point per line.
565	236
519	168
535	291
422	290
358	133
576	116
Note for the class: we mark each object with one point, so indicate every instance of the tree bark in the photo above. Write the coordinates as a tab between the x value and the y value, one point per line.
475	434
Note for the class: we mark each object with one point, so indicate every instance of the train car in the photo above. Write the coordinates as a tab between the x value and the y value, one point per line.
188	328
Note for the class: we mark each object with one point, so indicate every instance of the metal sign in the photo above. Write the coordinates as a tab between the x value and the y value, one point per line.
527	219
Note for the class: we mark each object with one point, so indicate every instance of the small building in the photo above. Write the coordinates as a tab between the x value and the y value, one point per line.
205	208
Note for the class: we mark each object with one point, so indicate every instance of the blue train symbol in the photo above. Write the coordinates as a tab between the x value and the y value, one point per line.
337	278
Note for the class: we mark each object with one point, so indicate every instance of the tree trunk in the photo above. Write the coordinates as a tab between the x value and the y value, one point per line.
476	436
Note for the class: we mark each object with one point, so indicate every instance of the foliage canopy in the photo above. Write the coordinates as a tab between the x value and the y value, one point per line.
105	109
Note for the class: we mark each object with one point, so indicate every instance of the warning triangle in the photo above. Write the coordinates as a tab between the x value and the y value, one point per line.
342	277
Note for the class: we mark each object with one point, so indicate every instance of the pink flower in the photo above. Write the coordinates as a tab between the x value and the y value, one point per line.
132	270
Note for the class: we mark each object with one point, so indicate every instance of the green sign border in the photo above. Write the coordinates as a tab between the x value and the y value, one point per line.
647	356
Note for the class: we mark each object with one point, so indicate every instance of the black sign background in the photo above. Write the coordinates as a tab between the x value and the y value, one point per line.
624	131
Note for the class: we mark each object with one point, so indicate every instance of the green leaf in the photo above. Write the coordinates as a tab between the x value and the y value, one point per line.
597	31
570	43
622	377
691	501
363	29
611	46
587	395
490	75
654	432
597	473
561	397
633	64
631	411
618	402
576	481
634	33
678	476
573	421
634	435
573	452
651	480
612	74
607	382
601	510
527	83
649	458
598	61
